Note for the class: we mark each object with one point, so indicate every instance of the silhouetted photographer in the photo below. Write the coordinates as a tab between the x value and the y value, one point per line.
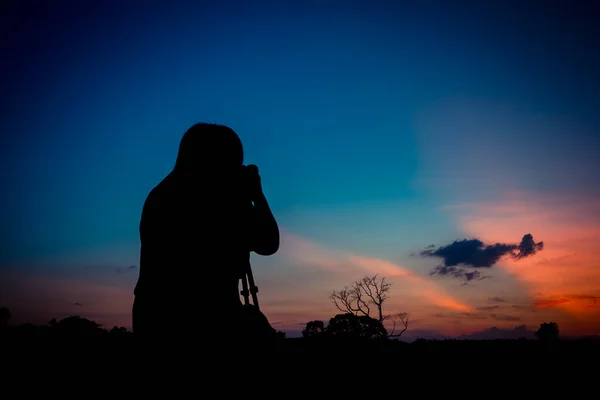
197	230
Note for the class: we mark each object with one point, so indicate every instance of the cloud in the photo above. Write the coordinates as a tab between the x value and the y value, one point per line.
503	317
458	273
528	308
460	315
487	308
473	253
562	284
497	300
421	286
469	252
591	300
528	247
549	303
131	267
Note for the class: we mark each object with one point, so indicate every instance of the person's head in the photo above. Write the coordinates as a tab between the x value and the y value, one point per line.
209	149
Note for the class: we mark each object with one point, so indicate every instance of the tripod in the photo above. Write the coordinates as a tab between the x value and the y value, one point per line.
248	280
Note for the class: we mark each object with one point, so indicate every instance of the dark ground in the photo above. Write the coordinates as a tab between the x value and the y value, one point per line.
310	367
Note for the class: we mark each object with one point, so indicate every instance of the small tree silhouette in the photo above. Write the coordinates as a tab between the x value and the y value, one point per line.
313	329
118	331
548	331
77	326
280	335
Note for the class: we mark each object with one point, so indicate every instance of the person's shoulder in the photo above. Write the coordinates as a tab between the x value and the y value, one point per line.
159	193
165	187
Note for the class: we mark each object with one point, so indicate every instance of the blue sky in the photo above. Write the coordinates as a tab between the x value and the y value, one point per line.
366	119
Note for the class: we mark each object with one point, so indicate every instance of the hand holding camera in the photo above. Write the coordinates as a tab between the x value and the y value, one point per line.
253	182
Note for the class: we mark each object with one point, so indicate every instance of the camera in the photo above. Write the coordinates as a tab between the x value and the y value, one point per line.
249	179
249	171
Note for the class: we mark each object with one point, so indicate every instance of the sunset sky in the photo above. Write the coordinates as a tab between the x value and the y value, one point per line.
390	136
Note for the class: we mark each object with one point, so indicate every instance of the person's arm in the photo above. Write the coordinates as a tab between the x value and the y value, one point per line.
265	232
266	235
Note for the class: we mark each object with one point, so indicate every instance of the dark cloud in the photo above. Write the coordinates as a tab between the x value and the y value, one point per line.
503	317
524	308
457	273
557	301
593	299
528	247
497	300
469	252
473	253
487	308
78	304
126	269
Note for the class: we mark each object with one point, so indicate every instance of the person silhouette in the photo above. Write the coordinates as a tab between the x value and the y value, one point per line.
198	228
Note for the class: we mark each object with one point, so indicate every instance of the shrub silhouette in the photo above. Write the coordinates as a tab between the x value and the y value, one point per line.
75	326
350	326
313	329
548	331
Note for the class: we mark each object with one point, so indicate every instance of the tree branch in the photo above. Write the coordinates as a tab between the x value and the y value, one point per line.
403	318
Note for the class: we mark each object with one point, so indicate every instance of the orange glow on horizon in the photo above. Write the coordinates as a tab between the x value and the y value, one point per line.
565	275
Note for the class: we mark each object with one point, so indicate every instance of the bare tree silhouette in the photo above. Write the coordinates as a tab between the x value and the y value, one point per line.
366	296
402	319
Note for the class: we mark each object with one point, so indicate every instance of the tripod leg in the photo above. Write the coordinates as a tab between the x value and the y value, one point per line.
245	291
253	287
